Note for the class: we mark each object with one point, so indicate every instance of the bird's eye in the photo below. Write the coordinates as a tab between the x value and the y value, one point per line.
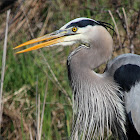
74	29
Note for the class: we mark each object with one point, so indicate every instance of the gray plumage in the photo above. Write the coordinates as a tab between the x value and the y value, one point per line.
123	59
131	98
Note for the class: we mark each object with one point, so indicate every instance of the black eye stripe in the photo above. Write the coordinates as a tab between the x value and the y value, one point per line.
86	22
82	23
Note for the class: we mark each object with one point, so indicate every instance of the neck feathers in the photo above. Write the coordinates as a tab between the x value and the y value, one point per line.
97	108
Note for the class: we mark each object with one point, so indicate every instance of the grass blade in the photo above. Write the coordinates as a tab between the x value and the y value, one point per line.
43	109
3	65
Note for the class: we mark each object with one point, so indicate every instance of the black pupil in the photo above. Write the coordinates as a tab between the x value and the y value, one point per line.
74	29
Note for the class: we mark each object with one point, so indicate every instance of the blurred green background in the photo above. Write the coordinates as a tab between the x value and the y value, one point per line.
30	74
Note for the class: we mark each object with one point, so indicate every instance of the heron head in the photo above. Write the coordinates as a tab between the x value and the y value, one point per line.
77	30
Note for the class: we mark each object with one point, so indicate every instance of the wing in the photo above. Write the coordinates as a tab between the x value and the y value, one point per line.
126	72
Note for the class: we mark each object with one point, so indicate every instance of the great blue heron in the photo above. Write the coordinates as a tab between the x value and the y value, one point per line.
103	103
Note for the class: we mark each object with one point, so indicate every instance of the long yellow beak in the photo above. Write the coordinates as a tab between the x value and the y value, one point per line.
47	40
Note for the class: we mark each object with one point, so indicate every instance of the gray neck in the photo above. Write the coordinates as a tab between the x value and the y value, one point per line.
96	102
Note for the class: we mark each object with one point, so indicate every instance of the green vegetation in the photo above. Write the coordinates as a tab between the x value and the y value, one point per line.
27	74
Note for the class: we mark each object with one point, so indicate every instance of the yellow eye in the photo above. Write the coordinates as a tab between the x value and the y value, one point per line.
74	29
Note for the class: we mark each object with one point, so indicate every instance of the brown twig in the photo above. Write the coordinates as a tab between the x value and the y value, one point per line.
128	33
45	23
15	93
116	28
126	22
27	20
121	19
136	25
55	78
55	83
